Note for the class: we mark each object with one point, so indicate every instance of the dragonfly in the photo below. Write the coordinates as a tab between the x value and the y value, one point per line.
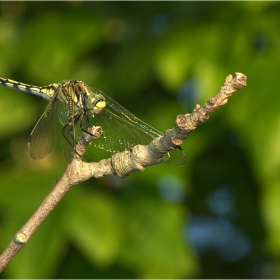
73	108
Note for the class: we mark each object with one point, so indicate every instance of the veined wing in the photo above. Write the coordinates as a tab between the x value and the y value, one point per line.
69	132
42	138
122	130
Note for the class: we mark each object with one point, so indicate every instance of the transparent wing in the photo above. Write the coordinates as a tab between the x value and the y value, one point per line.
54	119
122	130
175	157
69	133
123	113
118	134
42	138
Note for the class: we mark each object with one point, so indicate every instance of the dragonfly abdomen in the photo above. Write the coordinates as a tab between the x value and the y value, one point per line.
45	92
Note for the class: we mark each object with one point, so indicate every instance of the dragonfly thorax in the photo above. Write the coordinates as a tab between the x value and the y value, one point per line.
88	99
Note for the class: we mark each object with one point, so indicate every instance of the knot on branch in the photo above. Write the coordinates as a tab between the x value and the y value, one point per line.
123	164
21	238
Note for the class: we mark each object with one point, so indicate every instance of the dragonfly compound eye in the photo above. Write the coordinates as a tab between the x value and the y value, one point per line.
99	106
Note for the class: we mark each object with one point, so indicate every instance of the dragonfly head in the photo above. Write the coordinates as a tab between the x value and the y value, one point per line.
96	103
91	99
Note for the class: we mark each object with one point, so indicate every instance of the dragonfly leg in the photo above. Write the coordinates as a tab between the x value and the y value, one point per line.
86	130
69	130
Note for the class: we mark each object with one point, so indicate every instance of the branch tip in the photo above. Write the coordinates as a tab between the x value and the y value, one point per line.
241	80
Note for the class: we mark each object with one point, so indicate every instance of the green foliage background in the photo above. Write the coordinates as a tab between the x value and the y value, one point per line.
216	217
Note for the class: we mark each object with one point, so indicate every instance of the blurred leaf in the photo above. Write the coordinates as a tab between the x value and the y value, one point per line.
154	245
17	101
92	222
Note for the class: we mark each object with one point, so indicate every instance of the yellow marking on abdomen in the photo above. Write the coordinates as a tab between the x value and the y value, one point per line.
12	81
35	89
9	84
21	87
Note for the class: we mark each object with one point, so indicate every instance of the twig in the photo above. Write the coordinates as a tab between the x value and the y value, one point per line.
120	164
